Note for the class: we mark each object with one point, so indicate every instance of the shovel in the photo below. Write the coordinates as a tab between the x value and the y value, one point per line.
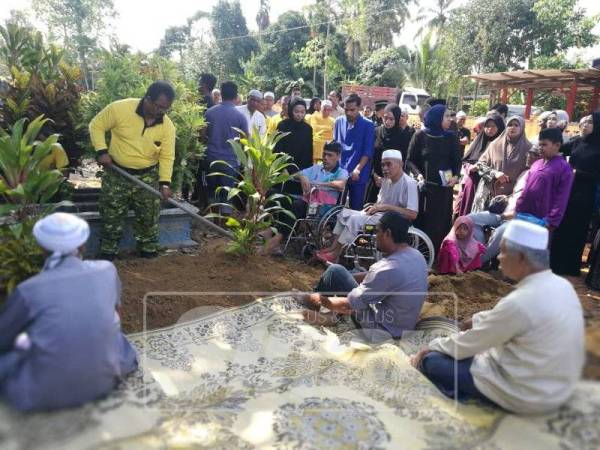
184	206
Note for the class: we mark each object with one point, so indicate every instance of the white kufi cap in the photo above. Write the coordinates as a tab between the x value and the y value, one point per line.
392	154
254	93
269	94
527	234
61	233
461	114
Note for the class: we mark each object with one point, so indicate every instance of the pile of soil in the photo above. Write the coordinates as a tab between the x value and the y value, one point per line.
209	269
206	269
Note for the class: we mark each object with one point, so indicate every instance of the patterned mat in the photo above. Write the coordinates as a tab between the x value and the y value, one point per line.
259	377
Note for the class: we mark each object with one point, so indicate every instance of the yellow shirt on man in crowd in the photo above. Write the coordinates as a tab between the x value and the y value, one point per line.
322	132
133	144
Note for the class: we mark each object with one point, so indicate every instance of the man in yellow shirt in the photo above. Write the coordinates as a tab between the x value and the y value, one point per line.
322	124
142	143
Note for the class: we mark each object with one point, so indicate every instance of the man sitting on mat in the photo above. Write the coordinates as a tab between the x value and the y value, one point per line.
60	335
527	353
398	193
386	300
322	183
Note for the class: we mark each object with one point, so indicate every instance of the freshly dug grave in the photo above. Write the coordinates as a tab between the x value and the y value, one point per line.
209	269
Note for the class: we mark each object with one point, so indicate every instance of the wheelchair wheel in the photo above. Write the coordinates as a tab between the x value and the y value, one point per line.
325	237
419	240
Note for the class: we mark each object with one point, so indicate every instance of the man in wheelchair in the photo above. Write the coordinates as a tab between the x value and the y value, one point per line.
398	193
385	301
322	184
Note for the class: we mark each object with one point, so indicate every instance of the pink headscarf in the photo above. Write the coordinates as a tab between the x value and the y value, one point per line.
468	247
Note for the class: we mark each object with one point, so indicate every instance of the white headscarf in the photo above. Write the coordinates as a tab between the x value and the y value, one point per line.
61	234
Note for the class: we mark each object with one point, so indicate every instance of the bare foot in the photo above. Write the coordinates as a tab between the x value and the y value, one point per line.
317	318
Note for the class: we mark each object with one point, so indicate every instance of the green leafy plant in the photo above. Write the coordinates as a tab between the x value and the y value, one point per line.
20	255
23	183
262	169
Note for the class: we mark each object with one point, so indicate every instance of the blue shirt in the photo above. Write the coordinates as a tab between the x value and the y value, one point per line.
222	119
77	351
392	293
317	174
357	141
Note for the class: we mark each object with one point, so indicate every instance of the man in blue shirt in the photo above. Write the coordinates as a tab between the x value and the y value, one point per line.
60	335
222	119
357	136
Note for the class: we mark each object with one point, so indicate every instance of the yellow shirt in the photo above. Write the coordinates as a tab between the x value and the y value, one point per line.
322	132
132	144
272	123
57	159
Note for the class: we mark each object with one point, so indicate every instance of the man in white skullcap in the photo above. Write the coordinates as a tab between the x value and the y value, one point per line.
527	353
251	110
269	102
398	193
60	335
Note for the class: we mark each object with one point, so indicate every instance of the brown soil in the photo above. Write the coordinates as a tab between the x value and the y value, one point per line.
209	269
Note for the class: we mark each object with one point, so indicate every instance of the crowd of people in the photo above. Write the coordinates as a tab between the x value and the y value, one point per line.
480	195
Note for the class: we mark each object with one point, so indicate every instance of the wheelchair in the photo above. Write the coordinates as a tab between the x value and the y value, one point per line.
315	231
363	251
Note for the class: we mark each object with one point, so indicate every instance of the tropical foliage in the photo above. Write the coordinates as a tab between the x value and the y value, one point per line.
24	183
262	169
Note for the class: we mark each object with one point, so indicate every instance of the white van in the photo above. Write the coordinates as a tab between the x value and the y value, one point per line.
412	99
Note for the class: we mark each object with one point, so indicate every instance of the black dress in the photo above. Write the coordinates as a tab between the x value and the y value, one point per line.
429	155
570	237
299	145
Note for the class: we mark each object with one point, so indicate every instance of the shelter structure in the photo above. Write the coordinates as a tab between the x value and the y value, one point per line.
568	82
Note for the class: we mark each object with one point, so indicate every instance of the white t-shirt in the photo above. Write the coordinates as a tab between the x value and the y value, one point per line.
254	120
403	193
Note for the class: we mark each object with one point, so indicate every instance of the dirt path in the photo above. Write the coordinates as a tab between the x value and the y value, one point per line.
210	269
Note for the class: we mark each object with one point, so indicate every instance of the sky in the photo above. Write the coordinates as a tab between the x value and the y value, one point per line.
141	23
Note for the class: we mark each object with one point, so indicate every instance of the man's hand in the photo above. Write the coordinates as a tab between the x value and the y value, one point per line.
464	141
165	191
305	185
508	216
466	324
373	209
355	174
502	178
416	359
452	181
337	304
105	160
378	180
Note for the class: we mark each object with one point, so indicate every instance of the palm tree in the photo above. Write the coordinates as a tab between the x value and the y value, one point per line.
434	17
421	71
262	16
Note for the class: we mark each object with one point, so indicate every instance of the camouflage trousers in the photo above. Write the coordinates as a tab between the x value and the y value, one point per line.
117	197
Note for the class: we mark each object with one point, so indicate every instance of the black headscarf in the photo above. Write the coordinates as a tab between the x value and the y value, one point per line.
295	101
298	144
313	102
482	140
394	138
594	137
388	133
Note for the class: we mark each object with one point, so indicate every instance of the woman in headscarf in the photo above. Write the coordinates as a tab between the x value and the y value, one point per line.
434	155
501	164
570	237
492	128
298	143
322	124
394	134
315	106
460	251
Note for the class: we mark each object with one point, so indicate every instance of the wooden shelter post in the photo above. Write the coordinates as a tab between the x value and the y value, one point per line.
571	99
528	103
594	100
504	95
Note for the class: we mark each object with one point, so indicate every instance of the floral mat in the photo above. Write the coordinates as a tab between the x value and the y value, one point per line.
259	377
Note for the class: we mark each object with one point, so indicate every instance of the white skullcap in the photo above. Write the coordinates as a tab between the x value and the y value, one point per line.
327	103
545	115
254	93
461	114
61	233
527	234
216	91
392	154
481	120
269	94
